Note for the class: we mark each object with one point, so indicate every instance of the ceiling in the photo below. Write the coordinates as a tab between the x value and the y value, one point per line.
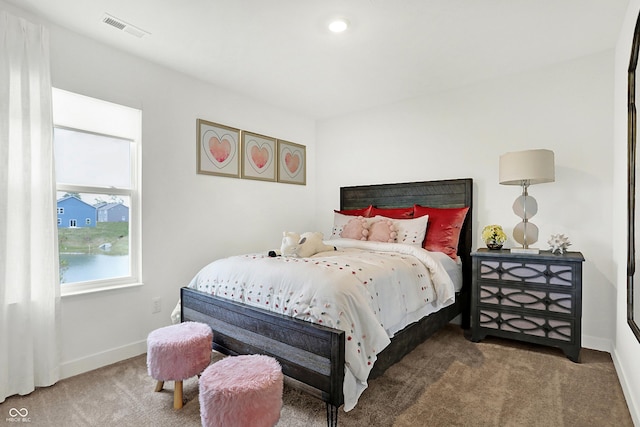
280	52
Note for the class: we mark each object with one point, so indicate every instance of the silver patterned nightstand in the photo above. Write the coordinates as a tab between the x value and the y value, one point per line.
533	298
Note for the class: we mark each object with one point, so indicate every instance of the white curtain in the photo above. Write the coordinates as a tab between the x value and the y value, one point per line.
29	276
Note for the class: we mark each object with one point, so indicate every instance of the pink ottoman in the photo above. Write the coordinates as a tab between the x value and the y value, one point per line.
178	352
241	391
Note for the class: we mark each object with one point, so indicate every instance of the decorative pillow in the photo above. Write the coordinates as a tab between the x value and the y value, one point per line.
411	231
444	228
339	221
357	228
395	213
365	212
383	230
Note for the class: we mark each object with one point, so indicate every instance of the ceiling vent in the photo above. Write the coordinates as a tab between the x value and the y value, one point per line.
123	26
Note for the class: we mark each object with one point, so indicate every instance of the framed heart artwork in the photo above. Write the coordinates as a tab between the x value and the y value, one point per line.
292	161
259	156
218	149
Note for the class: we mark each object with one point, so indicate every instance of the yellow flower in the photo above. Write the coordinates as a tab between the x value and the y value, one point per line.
493	233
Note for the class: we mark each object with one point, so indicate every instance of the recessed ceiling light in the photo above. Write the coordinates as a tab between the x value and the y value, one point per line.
338	25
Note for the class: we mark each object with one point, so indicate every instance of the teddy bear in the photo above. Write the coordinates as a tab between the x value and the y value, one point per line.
301	245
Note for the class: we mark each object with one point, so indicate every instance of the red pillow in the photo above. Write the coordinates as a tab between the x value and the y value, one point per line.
443	228
395	213
365	212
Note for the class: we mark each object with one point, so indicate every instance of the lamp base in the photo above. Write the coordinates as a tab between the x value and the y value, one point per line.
525	250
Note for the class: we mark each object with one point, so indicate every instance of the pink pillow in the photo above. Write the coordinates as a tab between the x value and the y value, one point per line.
357	228
365	212
395	213
383	230
443	230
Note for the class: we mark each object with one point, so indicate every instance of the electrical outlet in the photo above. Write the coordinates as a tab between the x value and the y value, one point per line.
156	305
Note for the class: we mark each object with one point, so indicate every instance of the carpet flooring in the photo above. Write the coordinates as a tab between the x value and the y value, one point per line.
446	381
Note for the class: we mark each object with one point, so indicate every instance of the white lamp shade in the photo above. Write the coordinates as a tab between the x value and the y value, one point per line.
529	166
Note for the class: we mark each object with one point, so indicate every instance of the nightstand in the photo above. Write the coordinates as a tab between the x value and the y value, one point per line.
535	298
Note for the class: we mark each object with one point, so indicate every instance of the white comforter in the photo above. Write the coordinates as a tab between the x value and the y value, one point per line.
366	289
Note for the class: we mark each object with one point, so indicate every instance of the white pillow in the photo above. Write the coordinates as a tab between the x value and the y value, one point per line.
410	231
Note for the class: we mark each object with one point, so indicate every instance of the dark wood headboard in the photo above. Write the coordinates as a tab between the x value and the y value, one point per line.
451	193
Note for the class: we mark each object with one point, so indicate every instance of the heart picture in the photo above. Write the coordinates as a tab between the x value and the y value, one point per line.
261	156
220	148
293	162
258	156
291	159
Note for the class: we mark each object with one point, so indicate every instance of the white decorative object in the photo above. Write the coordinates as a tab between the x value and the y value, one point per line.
558	243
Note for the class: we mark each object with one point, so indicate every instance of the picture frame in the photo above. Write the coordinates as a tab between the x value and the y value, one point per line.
292	163
259	156
218	149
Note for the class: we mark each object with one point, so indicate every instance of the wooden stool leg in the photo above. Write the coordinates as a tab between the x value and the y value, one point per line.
159	385
177	395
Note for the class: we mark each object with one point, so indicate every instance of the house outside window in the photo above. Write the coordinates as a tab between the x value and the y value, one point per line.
97	154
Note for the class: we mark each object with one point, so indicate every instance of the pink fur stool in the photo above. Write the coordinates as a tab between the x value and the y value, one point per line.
178	352
241	391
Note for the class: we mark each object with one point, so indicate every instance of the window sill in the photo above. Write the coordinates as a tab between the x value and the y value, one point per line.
89	289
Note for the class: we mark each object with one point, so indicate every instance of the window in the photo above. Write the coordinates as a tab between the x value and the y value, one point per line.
97	146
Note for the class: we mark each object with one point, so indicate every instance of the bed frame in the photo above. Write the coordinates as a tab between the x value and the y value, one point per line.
312	356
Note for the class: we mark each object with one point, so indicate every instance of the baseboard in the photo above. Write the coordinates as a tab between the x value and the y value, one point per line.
632	404
595	343
98	360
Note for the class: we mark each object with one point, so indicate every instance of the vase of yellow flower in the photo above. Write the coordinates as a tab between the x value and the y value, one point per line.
493	236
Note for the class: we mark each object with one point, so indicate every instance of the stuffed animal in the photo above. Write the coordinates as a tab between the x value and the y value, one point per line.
311	243
289	246
302	246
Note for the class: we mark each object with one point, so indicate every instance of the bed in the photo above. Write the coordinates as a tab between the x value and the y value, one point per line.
312	355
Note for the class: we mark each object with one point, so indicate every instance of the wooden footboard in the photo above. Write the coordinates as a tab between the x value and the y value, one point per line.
312	356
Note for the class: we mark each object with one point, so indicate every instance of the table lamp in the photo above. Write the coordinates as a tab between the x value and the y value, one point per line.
525	168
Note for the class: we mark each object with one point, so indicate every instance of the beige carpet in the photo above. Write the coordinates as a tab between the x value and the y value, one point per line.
446	381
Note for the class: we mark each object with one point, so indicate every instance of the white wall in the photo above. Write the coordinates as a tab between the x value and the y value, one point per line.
627	348
461	133
187	219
